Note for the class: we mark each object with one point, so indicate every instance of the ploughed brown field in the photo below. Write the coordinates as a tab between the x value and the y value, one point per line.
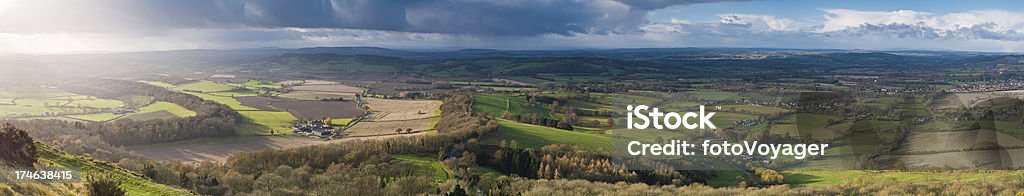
319	89
257	102
388	115
309	110
302	109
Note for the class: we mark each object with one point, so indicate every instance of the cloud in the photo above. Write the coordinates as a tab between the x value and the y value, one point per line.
126	25
987	24
477	17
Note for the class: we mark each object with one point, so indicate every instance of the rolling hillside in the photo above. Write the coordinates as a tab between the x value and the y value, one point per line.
133	183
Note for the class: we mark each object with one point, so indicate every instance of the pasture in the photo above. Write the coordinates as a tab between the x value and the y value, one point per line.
254	122
497	105
437	170
535	137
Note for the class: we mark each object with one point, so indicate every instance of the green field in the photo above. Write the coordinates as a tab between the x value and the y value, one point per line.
35	93
496	105
753	109
621	100
533	136
726	119
440	172
17	110
159	106
264	121
234	93
40	102
166	106
229	101
713	95
160	84
256	85
206	87
255	121
133	183
340	122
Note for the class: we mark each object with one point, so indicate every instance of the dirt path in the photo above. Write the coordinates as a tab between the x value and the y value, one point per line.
219	149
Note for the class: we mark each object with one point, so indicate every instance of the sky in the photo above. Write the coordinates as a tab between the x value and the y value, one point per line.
88	26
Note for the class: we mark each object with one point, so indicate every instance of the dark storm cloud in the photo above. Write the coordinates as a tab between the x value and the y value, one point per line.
477	17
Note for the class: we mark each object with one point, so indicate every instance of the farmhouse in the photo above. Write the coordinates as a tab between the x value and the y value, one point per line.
319	128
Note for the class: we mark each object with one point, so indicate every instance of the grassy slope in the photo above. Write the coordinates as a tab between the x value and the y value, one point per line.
441	173
132	182
254	120
166	106
533	136
496	105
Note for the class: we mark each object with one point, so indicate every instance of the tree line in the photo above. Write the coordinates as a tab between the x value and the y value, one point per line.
211	119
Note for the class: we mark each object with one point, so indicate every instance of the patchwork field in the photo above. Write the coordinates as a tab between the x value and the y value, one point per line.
386	116
34	103
313	95
219	149
391	110
327	87
319	89
374	128
307	110
753	109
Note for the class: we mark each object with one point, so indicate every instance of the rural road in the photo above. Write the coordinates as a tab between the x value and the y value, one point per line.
219	149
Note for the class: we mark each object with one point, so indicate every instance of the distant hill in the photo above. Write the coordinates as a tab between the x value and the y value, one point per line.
489	66
607	62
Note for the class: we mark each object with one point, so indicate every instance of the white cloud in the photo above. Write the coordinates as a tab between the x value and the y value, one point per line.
761	22
963	25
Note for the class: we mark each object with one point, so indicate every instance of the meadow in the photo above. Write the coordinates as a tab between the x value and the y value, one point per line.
533	136
439	172
497	105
